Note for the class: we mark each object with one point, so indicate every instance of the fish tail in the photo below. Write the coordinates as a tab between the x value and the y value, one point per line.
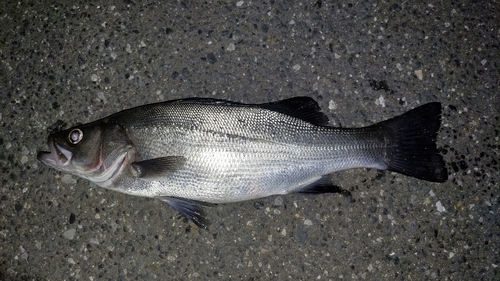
411	143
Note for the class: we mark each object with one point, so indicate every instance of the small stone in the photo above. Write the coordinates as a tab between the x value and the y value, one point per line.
440	207
24	255
283	232
94	78
427	201
332	105
296	67
102	97
24	150
231	47
68	179
24	159
308	222
420	74
69	234
380	101
278	201
239	3
94	240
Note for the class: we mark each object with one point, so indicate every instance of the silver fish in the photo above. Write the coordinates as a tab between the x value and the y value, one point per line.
194	152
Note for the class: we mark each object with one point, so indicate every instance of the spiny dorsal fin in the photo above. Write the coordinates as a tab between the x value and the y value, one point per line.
304	108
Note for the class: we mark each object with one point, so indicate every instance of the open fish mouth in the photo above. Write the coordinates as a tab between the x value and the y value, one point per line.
57	157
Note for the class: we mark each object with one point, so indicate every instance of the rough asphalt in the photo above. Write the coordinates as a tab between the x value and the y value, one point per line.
66	62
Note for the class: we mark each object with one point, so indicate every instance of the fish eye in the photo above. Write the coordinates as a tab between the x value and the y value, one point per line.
75	136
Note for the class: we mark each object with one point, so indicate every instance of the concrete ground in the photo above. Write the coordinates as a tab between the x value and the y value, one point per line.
66	62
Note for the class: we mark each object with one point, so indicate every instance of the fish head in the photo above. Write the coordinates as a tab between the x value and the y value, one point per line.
96	151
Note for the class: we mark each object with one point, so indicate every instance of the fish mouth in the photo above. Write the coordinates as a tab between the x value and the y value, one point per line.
57	157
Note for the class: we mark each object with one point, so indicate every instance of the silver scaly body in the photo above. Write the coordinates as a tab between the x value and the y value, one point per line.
193	152
240	153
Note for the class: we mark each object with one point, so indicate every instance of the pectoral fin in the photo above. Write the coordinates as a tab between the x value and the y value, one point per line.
158	167
191	209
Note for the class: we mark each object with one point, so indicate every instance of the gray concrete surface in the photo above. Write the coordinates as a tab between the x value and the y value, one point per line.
363	61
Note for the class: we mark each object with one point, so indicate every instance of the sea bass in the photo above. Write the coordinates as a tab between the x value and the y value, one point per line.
196	152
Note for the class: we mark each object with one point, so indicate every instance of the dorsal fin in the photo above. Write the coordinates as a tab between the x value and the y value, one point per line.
304	108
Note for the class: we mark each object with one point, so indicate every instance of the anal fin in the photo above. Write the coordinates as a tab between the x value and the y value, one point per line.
323	185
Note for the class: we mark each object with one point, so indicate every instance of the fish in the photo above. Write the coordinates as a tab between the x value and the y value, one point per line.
198	152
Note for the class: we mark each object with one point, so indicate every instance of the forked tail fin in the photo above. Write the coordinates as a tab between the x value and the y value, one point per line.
411	143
